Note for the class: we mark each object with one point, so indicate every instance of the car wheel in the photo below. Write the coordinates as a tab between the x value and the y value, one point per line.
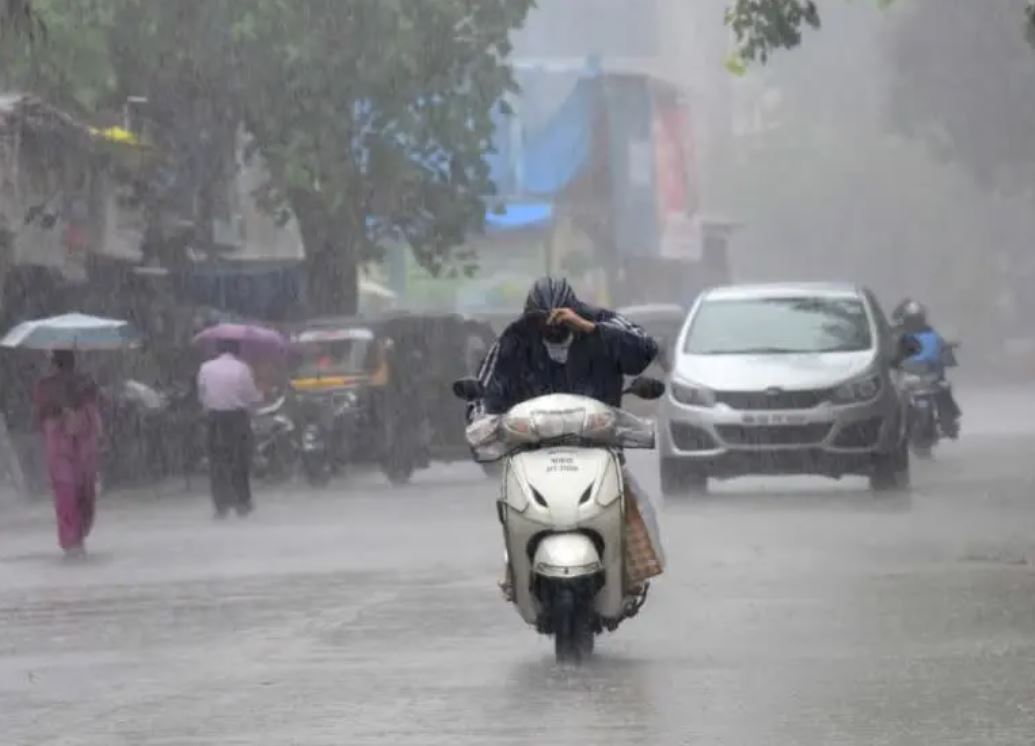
680	479
891	470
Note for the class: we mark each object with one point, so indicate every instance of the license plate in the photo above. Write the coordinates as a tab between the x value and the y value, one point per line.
774	419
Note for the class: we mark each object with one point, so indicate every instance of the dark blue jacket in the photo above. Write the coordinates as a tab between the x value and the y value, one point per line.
518	368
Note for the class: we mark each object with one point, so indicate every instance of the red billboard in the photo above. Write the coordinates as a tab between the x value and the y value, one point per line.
675	168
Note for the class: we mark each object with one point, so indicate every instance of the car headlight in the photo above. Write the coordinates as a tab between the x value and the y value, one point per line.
691	394
860	390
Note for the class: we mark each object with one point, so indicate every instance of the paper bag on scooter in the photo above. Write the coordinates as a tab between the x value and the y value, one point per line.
644	558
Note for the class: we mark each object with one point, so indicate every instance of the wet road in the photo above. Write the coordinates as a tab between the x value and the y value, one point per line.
793	613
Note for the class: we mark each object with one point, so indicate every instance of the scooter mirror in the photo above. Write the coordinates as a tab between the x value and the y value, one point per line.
646	388
468	389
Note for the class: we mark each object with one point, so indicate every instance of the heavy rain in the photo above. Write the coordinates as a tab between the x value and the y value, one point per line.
517	371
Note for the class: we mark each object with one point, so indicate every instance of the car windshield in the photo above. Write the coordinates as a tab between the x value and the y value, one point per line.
335	357
779	326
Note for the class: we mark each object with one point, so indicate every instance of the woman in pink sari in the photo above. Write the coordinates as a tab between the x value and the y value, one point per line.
67	411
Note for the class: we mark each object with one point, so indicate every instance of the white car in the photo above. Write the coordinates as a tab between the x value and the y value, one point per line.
784	379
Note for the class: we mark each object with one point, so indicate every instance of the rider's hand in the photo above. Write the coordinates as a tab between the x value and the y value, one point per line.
567	317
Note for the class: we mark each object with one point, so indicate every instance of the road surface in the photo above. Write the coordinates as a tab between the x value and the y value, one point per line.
801	612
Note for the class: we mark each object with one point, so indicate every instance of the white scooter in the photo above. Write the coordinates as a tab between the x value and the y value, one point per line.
562	508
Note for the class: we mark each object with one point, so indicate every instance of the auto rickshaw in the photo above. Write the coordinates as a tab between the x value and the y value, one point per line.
432	350
379	387
338	383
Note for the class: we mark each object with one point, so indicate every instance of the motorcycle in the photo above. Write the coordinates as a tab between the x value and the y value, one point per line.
923	390
325	420
275	451
563	509
925	387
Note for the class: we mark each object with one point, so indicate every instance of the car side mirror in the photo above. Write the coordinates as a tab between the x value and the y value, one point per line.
646	388
468	389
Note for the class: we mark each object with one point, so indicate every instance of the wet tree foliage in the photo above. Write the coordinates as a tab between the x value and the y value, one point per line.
958	64
17	18
762	27
373	115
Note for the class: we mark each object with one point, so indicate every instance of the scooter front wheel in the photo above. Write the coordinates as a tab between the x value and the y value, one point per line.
572	629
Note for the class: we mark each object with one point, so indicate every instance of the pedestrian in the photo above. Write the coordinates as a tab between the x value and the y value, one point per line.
68	415
227	391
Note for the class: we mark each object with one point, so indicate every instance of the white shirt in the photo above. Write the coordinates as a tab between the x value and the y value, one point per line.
226	383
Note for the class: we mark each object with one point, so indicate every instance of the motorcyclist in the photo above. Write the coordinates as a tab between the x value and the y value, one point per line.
561	345
934	356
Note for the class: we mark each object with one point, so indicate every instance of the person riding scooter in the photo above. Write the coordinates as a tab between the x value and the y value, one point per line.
935	356
563	346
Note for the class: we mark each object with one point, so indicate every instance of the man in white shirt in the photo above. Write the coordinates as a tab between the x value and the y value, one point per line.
227	390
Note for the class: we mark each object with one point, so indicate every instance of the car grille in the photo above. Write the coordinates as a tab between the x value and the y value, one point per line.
690	438
763	400
860	434
775	435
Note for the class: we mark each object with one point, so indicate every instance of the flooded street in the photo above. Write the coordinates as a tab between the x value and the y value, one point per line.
322	251
808	612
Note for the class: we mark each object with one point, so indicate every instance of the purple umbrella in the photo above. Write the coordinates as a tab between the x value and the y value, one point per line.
257	342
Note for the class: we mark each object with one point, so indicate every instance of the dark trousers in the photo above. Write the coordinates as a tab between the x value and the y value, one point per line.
948	409
230	459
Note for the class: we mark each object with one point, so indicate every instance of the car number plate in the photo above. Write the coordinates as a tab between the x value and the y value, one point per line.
774	419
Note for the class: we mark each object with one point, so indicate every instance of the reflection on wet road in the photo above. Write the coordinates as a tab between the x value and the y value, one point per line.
793	613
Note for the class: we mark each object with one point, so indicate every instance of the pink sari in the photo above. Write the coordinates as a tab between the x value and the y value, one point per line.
69	417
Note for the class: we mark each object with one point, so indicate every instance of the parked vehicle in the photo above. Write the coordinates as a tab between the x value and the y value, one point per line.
276	454
383	377
325	421
563	509
342	393
785	379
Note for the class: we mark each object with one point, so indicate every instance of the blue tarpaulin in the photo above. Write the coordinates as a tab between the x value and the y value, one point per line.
542	148
512	215
555	154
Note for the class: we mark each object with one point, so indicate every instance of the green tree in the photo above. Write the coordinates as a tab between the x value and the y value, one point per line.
17	17
373	115
764	26
386	121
